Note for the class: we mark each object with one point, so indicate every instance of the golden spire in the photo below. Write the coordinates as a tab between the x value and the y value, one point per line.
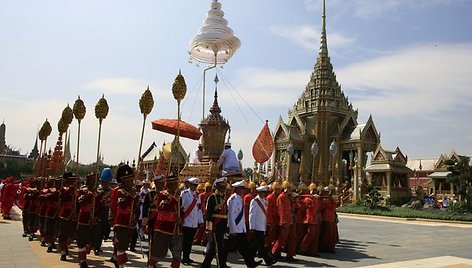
323	41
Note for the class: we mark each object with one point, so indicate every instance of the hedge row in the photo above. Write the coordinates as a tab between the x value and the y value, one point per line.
401	212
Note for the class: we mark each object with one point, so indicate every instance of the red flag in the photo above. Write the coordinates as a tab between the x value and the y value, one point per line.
264	145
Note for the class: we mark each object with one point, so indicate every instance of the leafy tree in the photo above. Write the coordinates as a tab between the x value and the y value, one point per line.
373	198
461	177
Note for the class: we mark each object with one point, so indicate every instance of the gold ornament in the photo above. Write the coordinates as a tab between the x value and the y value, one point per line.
146	103
62	126
67	115
179	88
101	108
79	109
47	129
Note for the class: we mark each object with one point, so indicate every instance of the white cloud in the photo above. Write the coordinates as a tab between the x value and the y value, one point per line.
116	85
428	79
308	36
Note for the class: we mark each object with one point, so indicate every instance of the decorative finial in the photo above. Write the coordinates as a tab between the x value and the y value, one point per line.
323	41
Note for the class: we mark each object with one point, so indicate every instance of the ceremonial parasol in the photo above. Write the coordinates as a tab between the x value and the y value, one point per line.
264	145
171	126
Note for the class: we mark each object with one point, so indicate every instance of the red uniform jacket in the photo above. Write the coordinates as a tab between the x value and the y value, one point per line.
328	209
284	209
124	207
204	197
21	196
67	203
85	202
247	203
300	208
272	212
169	214
32	195
42	202
52	203
313	213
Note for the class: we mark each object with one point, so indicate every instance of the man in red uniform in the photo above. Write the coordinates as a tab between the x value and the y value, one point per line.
123	210
52	199
33	196
42	209
168	225
328	232
200	237
285	210
300	213
23	203
247	201
67	213
86	219
272	215
309	243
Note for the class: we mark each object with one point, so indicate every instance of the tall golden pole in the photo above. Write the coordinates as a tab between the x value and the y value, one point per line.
79	113
101	112
66	118
179	89
146	103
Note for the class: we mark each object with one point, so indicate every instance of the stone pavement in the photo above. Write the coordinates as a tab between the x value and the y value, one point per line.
365	242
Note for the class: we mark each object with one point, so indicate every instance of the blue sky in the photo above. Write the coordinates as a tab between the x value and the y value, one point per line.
408	63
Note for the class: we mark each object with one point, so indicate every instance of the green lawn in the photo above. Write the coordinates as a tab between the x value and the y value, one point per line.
393	211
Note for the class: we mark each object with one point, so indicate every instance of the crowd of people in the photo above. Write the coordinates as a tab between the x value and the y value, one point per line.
262	222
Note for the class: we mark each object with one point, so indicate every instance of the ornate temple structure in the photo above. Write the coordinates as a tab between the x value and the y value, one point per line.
214	128
390	175
322	138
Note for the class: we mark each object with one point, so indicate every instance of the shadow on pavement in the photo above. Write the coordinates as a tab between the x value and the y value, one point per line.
350	251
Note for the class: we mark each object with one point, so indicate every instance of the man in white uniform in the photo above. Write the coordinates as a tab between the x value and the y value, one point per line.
197	156
192	218
228	162
257	225
237	226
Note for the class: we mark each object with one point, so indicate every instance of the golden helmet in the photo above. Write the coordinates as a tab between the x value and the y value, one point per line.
200	187
276	185
286	184
251	185
181	186
301	186
207	185
312	186
263	183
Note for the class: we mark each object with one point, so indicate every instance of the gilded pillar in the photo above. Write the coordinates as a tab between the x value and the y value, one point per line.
389	182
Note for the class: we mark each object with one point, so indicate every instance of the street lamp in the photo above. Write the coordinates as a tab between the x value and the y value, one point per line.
290	151
314	152
333	149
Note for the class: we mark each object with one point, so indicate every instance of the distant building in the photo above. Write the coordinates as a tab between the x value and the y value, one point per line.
431	174
390	175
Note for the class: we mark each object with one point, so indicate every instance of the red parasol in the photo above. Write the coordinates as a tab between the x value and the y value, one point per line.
264	145
170	126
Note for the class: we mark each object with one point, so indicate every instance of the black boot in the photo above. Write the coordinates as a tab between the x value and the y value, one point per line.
84	264
49	249
24	234
63	257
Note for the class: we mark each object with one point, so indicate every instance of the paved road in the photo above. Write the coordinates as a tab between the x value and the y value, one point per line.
364	242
